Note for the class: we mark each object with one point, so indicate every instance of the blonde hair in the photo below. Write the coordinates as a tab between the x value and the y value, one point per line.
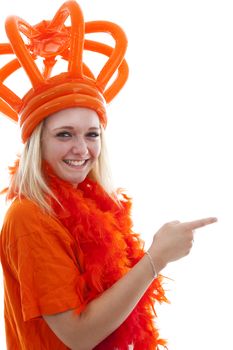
29	181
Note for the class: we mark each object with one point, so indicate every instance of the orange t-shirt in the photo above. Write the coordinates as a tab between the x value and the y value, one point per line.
40	269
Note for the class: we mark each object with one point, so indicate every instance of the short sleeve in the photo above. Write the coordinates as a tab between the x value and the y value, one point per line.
43	260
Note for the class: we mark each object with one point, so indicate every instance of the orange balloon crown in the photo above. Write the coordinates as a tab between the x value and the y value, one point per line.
75	87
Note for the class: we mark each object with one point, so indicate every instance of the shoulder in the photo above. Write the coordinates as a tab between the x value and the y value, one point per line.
24	217
21	207
25	211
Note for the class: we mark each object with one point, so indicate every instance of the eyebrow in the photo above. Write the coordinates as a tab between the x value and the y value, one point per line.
72	128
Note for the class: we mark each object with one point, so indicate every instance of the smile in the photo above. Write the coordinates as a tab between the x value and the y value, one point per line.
75	163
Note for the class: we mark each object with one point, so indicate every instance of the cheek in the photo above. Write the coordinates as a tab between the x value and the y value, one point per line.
95	149
52	150
98	149
44	151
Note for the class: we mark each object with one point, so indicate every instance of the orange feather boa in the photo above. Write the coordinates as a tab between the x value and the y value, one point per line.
107	250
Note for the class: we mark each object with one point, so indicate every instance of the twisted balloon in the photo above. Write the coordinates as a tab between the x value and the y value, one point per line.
77	86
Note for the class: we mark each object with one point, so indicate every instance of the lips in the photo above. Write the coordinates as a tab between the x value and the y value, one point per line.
76	163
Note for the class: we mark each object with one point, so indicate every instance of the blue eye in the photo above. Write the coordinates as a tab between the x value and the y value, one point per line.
93	134
63	134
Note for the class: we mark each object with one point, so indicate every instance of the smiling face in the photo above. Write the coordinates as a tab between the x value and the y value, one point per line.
71	143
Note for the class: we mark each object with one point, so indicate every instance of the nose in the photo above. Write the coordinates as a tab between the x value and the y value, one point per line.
80	146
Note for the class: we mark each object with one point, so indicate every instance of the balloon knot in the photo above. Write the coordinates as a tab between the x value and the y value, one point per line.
49	41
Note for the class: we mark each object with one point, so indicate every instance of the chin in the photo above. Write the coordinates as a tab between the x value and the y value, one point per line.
76	181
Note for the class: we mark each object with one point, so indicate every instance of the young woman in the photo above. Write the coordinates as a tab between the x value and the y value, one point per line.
75	274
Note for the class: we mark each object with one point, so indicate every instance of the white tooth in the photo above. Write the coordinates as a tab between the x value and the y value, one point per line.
75	162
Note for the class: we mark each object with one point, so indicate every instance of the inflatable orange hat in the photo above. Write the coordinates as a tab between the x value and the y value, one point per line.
75	87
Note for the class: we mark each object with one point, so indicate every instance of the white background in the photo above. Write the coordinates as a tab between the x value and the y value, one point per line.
170	142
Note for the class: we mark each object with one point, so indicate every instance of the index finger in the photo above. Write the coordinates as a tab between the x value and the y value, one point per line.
192	225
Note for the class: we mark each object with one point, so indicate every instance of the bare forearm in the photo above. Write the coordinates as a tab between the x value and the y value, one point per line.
106	313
